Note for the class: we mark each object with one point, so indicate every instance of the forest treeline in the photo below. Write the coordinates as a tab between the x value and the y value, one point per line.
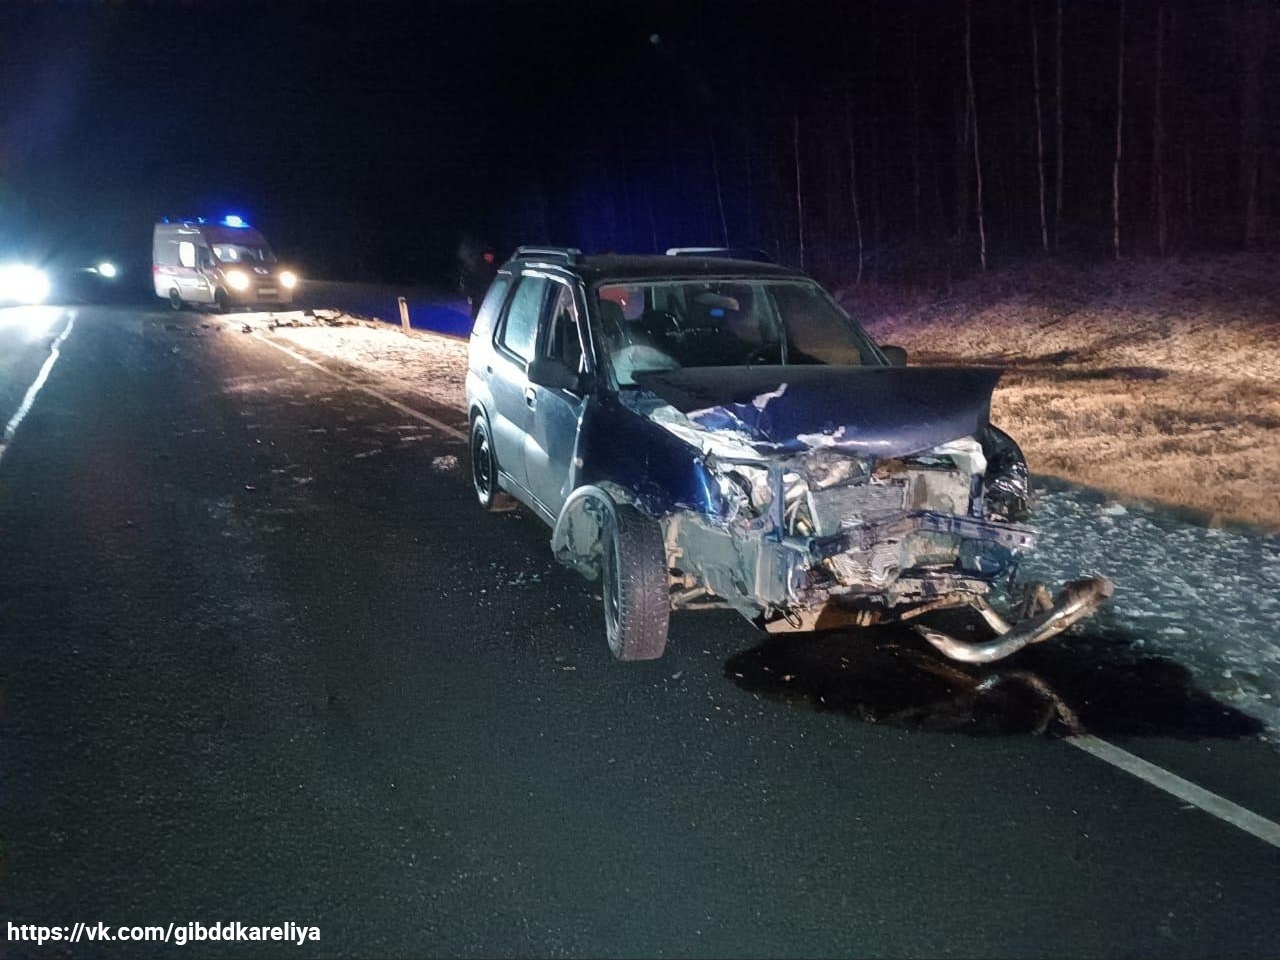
917	141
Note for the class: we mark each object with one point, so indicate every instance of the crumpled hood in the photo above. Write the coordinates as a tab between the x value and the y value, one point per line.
864	411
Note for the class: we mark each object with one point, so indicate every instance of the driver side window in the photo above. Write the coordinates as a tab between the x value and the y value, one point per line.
564	337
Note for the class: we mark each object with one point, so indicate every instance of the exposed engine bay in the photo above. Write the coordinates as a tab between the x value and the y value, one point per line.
818	530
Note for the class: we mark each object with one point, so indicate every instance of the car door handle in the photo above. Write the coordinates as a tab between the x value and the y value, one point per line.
530	397
488	368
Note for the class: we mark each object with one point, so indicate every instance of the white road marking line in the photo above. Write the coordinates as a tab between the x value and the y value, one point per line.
452	431
11	427
1174	785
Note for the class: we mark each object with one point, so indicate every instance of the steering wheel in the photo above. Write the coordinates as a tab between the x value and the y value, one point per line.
660	323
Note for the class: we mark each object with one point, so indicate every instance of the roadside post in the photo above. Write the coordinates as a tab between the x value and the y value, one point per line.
404	313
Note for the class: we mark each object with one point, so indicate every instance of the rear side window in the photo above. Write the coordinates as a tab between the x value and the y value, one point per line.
492	304
186	253
520	331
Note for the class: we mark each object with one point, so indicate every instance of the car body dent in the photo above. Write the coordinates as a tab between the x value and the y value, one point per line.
661	472
646	453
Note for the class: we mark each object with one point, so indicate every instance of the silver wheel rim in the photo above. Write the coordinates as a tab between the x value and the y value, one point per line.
482	466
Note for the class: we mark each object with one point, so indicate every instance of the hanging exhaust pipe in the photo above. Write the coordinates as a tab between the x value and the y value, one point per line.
1079	599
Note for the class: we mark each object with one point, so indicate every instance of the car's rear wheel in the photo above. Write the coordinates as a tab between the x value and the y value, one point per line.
175	299
637	611
484	470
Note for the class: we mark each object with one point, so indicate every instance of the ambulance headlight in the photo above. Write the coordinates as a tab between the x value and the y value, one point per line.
237	280
288	279
20	283
108	269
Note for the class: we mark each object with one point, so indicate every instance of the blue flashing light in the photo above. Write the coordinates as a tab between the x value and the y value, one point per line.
232	220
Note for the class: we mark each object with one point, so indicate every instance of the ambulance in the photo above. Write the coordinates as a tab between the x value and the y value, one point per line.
223	263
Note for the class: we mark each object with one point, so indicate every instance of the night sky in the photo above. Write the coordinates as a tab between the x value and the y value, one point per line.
368	140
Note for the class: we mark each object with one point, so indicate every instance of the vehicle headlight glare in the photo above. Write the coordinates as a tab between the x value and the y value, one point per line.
108	269
288	279
238	280
20	283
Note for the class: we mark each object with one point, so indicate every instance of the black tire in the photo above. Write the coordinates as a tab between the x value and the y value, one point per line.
175	299
484	470
221	302
637	608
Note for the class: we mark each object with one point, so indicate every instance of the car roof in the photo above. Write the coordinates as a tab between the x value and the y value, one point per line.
620	267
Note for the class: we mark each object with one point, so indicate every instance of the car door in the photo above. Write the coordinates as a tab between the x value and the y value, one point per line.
188	276
205	268
552	435
515	341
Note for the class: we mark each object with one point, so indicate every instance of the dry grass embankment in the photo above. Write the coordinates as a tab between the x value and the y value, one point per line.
1155	380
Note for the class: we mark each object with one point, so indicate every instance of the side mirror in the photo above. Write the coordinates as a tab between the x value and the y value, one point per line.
554	374
897	356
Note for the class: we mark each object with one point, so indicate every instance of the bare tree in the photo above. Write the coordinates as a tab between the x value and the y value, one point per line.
1115	170
748	141
715	170
1253	48
653	220
1057	202
1035	73
973	117
795	143
853	185
915	134
1157	141
1188	195
962	151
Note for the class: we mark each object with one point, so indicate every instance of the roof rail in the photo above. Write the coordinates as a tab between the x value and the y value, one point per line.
569	255
727	253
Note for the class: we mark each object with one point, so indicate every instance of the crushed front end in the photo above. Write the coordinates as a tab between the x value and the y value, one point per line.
810	534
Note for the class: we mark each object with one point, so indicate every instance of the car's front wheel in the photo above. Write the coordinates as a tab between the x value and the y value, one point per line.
484	470
637	610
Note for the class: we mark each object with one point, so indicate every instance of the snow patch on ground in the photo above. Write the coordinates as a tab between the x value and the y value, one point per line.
431	364
1207	598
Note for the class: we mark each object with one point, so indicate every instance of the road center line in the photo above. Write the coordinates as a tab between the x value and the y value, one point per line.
1174	785
403	408
11	427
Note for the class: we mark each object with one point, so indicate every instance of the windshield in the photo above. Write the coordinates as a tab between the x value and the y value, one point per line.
723	323
240	253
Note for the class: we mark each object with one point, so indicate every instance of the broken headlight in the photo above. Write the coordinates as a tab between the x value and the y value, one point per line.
1007	487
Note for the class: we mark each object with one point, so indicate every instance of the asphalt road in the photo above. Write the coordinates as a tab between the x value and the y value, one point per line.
264	660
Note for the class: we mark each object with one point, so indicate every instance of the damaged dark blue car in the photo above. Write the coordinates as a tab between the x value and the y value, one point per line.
704	432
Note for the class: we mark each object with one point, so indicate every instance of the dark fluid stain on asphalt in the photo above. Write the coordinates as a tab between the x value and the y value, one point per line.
1071	685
